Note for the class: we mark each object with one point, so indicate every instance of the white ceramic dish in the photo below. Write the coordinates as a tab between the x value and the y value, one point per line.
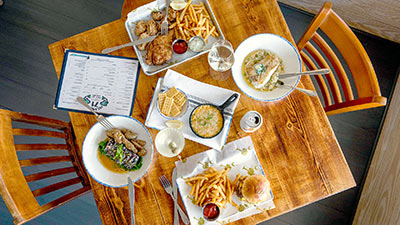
276	44
184	107
97	134
164	137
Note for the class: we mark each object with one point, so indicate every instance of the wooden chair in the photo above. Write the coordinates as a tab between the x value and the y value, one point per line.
355	56
14	189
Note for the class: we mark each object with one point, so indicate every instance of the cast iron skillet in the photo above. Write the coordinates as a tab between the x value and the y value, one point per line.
220	108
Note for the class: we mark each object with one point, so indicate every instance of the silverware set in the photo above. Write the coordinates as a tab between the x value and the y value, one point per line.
172	191
305	91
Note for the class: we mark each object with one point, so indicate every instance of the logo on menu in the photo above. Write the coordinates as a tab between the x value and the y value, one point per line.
97	102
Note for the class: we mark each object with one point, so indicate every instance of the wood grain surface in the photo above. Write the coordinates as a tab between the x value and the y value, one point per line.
379	202
296	145
381	19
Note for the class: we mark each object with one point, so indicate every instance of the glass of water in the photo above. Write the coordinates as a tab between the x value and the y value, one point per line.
221	56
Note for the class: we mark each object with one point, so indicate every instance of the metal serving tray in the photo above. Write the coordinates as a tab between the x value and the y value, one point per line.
144	13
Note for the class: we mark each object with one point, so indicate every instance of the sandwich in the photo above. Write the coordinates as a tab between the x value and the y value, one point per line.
253	189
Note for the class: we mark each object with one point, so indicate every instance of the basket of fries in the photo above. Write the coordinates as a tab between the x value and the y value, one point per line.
196	19
221	178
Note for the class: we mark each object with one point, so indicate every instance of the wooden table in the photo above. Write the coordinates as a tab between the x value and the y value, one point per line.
296	145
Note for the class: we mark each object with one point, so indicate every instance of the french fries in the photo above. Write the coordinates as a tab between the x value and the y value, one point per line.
193	20
211	186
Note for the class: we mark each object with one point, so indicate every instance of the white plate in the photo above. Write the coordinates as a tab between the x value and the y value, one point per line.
241	156
97	134
276	44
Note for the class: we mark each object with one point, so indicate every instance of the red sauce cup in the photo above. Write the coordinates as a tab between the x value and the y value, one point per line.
211	211
179	46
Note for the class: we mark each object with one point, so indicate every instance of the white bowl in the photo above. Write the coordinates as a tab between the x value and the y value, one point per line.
278	45
97	134
164	137
184	107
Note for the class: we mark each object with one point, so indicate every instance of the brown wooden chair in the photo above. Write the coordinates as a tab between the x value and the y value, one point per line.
368	94
14	188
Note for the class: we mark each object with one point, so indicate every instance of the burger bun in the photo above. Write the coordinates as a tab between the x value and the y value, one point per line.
256	188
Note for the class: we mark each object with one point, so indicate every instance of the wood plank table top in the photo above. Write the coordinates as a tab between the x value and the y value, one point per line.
296	144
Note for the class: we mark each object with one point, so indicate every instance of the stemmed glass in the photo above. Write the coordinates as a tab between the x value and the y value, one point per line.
221	58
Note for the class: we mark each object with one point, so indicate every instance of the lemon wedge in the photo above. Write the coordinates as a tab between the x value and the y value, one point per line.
178	4
174	123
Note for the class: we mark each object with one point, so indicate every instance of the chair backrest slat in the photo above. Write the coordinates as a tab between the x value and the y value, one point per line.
355	57
334	87
334	60
44	160
50	173
35	132
56	186
66	198
38	120
320	80
34	147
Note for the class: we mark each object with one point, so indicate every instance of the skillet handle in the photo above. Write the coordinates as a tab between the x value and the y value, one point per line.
229	101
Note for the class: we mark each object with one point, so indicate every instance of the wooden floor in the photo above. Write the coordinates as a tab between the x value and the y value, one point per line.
28	84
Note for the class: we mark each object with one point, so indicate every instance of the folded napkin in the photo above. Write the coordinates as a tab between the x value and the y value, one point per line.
197	93
241	157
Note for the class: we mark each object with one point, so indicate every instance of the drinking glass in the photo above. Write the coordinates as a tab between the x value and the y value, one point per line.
221	56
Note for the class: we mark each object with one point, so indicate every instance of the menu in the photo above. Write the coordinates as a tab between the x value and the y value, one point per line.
106	82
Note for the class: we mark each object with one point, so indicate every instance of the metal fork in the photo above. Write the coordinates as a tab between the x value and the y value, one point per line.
102	120
168	188
164	24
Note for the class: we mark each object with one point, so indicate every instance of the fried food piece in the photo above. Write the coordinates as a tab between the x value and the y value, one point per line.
118	136
140	27
141	142
142	151
159	50
171	15
142	47
157	15
152	27
161	54
129	145
129	134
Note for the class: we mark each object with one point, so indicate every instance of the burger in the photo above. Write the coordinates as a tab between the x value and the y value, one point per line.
253	189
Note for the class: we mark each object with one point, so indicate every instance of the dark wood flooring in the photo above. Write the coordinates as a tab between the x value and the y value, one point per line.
28	84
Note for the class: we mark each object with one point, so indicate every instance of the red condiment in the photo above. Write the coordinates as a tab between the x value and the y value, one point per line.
211	211
180	46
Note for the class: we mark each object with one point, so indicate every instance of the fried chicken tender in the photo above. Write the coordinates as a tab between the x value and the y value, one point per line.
140	27
142	47
152	27
157	15
159	50
171	15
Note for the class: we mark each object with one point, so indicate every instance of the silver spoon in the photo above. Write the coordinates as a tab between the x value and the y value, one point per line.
305	91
